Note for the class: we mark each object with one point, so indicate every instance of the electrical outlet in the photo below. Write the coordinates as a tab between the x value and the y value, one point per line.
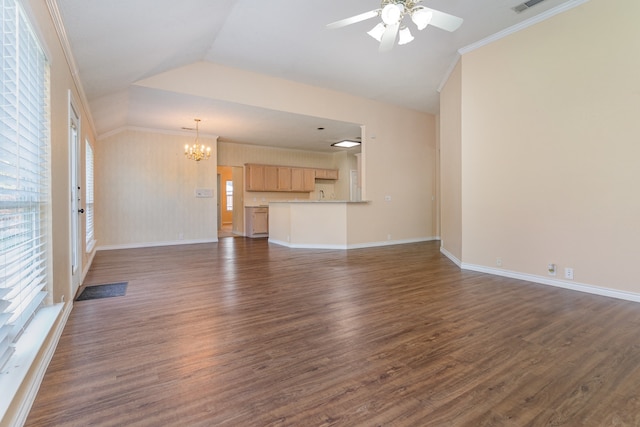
499	262
551	269
568	273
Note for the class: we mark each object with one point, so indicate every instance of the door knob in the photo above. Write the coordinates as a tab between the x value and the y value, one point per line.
80	210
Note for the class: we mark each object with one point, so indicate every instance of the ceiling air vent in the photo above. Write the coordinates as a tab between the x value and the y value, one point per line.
526	5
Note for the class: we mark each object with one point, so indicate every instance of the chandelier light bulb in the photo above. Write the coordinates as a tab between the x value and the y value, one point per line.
421	17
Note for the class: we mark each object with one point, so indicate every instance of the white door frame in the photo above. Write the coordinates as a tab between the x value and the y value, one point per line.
74	185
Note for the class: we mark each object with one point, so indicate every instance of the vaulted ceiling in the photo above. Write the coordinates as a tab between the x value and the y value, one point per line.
117	43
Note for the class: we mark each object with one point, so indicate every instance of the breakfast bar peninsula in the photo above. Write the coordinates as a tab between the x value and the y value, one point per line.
314	223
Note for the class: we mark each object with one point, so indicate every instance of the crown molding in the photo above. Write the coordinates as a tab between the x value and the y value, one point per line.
56	17
522	25
507	32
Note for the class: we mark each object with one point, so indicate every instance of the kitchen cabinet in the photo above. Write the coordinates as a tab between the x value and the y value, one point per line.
285	178
326	173
261	177
254	177
257	221
270	178
303	179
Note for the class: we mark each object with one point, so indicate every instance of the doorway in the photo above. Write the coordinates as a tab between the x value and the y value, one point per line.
230	201
225	201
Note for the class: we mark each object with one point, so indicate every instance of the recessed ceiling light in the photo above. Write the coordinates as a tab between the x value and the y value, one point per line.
346	144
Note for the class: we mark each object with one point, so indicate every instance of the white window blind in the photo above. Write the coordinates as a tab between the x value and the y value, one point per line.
24	174
89	194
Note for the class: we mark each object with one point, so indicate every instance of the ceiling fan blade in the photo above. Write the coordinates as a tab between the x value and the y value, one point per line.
444	21
389	37
354	19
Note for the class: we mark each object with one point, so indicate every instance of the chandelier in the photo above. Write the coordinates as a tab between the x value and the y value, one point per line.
197	151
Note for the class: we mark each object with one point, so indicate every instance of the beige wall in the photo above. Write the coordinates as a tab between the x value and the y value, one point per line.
145	190
451	165
398	150
345	163
550	148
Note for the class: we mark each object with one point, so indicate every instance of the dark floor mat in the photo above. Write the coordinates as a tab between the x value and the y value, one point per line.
103	291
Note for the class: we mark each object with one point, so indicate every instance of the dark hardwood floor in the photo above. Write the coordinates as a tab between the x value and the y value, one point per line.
243	333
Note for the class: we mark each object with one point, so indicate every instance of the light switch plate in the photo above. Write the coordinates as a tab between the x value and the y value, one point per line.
204	192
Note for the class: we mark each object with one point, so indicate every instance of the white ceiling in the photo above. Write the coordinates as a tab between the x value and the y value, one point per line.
116	43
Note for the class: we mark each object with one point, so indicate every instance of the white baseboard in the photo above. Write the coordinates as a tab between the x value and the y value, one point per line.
391	242
154	244
353	246
86	268
449	255
305	246
565	284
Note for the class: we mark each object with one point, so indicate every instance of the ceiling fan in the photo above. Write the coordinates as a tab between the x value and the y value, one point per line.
392	12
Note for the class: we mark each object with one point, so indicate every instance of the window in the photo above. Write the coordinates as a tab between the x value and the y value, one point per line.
89	196
229	192
24	175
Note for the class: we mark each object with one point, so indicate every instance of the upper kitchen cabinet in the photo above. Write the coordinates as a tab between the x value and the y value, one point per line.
303	179
327	174
285	178
254	177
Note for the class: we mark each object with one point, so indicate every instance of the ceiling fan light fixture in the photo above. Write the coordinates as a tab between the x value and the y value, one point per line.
393	30
421	17
377	31
392	13
405	36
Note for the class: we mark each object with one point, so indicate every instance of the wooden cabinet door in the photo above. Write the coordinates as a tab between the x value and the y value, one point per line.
309	178
332	173
260	221
326	173
270	178
297	179
254	177
284	178
303	179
